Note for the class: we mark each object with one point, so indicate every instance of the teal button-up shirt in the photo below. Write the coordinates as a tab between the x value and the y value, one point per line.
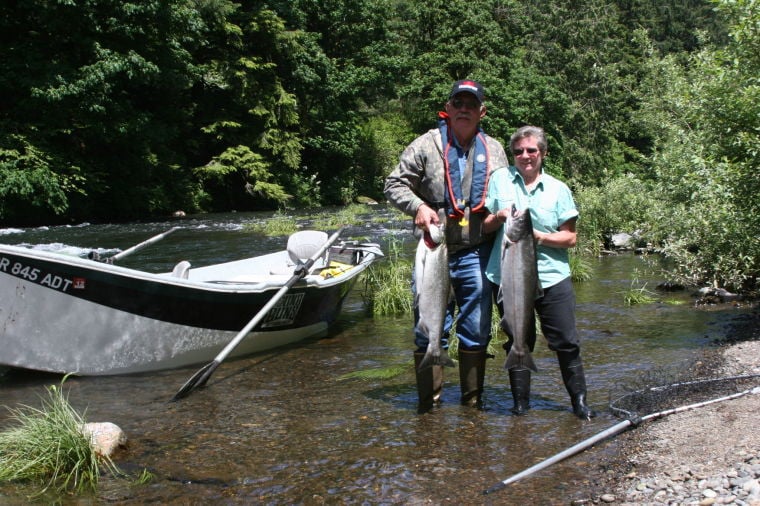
551	204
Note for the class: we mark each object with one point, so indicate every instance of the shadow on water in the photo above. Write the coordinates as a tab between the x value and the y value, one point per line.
282	427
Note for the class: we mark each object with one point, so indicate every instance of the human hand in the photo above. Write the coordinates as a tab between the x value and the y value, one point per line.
425	217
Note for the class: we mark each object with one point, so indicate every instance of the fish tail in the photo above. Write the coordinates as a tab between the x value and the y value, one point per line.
446	361
429	360
520	361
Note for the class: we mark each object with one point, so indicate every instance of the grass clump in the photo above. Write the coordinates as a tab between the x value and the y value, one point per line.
636	295
387	286
47	447
580	268
352	214
280	224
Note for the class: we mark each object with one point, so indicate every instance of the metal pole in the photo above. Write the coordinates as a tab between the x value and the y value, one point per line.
615	429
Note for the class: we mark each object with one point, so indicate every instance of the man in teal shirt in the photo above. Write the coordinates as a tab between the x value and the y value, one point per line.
554	215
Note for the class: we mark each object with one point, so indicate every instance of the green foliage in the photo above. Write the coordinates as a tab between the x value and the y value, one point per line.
127	110
706	118
142	101
28	182
386	285
47	447
673	26
580	268
383	137
636	294
619	204
240	170
279	224
353	214
99	88
145	477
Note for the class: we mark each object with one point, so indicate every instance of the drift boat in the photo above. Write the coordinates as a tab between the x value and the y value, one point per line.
67	314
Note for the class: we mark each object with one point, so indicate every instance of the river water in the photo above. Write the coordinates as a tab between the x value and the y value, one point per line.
285	427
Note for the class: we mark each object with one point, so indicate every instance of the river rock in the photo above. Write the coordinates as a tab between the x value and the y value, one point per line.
105	437
622	240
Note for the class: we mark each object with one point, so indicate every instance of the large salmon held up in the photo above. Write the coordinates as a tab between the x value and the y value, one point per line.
519	287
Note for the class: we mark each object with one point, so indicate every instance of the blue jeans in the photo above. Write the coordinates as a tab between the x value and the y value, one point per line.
472	293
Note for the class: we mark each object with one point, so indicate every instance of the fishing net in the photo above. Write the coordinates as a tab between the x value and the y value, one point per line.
708	377
658	392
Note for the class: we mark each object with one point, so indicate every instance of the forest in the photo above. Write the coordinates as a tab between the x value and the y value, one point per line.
117	110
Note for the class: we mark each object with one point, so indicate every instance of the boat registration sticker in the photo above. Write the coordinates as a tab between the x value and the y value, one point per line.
284	312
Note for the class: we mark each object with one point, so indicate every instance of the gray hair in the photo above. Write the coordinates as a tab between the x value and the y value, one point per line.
530	131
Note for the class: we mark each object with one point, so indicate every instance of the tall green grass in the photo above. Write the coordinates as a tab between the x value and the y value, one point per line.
638	294
47	447
580	268
387	283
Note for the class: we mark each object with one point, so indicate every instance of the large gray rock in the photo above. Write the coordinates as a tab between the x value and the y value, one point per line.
622	241
105	437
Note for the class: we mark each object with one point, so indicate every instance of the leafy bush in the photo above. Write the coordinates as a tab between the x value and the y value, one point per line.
706	118
621	204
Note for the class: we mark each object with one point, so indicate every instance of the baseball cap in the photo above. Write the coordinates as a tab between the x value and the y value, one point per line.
468	87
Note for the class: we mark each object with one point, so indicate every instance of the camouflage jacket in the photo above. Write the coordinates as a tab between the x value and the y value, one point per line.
419	178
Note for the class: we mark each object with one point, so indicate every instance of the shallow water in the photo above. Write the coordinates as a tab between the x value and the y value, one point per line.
282	427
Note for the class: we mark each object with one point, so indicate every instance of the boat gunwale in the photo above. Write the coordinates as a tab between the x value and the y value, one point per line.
221	285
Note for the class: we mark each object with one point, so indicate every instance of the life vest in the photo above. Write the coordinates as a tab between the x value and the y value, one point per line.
456	203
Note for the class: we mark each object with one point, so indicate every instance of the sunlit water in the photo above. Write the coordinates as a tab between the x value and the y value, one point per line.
283	427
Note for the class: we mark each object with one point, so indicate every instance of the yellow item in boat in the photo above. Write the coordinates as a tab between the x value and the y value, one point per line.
335	269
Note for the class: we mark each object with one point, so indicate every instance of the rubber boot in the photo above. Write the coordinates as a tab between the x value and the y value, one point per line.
575	382
519	383
429	384
472	371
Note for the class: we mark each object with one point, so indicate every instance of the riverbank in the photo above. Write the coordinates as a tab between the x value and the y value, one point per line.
704	456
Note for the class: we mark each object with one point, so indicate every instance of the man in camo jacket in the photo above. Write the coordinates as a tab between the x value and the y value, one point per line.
443	174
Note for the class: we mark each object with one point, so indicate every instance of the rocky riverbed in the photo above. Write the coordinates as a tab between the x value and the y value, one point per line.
704	456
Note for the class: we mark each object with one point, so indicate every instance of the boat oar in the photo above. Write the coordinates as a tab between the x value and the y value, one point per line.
201	377
94	256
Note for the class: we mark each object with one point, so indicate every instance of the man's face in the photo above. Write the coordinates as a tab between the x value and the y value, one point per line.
465	113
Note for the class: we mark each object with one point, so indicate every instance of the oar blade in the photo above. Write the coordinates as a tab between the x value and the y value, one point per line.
200	378
196	381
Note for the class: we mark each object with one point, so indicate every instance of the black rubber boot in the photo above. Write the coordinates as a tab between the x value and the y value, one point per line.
519	383
575	382
472	371
429	384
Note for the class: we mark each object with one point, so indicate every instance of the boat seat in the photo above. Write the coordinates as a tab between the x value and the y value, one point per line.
181	270
302	246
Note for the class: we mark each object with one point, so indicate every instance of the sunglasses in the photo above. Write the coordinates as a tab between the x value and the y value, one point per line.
458	103
519	151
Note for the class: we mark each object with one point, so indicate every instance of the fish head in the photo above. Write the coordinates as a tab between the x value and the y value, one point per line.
519	224
434	236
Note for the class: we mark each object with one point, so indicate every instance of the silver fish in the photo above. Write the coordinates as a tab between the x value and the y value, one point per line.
431	274
519	287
